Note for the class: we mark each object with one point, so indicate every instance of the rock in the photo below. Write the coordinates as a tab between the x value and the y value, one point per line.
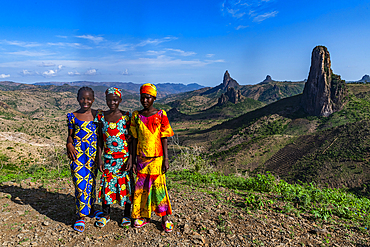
45	223
232	95
186	229
324	92
228	81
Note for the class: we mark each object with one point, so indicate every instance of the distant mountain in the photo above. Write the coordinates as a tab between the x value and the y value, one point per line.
267	91
365	79
164	89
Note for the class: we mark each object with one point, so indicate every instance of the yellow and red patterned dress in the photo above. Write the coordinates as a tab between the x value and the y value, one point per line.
115	183
150	187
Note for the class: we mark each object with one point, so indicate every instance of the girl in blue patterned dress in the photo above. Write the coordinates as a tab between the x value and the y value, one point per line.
115	185
81	150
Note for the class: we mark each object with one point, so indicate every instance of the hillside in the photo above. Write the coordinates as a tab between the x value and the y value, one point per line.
267	91
282	138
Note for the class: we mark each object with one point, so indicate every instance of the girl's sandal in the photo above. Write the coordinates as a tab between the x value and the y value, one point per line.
140	222
167	226
79	223
126	221
101	222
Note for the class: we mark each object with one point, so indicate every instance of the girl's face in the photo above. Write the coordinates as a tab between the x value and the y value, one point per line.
146	100
85	99
113	101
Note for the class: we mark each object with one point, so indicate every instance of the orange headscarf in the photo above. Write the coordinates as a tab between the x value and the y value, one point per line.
149	88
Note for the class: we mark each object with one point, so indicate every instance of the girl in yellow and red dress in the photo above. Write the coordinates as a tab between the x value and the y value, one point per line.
150	128
115	186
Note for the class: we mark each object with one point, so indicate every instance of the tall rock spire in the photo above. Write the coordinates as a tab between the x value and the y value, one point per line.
324	92
228	81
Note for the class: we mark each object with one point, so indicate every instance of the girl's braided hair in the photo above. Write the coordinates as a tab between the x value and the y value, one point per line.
86	89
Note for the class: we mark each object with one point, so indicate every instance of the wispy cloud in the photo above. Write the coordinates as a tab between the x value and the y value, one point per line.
2	76
27	73
210	55
31	53
265	16
91	72
125	72
236	13
47	64
240	27
95	39
72	45
156	41
181	52
61	36
74	73
20	43
243	11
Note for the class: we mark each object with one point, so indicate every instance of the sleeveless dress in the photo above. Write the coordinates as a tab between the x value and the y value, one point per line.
84	169
151	193
115	183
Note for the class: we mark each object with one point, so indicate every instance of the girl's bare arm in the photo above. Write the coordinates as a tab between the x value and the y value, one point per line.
71	151
165	164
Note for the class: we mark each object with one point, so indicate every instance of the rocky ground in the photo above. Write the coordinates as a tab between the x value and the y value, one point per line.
33	214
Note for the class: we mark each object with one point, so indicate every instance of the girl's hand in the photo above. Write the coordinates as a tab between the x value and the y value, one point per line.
100	165
165	165
71	152
134	168
128	138
128	164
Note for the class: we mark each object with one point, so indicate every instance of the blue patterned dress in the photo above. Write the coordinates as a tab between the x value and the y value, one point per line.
84	169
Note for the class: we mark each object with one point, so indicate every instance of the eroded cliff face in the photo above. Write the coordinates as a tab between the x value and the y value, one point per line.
324	92
231	95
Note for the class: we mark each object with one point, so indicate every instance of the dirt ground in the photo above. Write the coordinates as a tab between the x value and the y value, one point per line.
33	214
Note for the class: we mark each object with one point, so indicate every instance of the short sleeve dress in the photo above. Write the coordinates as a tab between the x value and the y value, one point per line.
115	184
84	169
150	187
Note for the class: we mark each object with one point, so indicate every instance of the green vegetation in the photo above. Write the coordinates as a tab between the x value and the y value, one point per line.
265	191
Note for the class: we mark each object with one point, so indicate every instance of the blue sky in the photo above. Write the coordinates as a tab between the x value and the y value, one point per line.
180	41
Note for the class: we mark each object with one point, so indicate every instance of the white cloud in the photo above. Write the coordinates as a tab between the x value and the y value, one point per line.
43	64
2	76
20	43
210	55
90	72
124	72
28	73
49	73
154	53
95	39
255	10
30	53
236	13
74	73
156	41
60	67
265	16
73	45
61	36
240	27
181	52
